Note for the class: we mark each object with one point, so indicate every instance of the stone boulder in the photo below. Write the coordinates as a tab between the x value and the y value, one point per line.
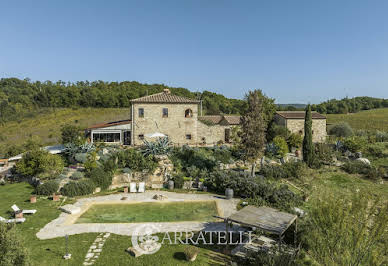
134	252
70	209
160	197
363	160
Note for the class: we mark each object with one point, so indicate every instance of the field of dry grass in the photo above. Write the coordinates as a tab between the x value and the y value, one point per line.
376	119
47	124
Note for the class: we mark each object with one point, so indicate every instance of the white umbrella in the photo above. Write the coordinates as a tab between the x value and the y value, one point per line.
155	135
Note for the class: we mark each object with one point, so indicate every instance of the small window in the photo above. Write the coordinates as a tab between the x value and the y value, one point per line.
188	136
188	113
141	112
165	112
300	132
141	136
312	132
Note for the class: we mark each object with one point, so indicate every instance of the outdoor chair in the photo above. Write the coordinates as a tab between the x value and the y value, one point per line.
132	187
17	220
16	209
141	187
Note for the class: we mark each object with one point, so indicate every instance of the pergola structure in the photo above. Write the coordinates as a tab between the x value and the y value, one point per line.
264	218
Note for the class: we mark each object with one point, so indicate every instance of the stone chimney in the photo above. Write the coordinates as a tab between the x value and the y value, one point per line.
167	91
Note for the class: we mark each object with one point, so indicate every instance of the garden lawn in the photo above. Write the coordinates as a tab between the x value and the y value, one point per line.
150	212
50	252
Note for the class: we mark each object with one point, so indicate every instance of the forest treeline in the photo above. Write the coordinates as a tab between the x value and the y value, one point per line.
23	98
350	105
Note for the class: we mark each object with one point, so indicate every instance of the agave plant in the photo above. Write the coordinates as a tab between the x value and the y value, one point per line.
271	149
159	147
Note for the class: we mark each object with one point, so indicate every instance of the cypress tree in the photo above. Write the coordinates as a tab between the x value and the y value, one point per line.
308	146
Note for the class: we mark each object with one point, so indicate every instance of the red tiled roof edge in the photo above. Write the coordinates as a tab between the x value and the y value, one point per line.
299	115
164	97
110	124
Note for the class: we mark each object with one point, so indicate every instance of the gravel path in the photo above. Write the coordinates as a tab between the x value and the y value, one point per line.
65	223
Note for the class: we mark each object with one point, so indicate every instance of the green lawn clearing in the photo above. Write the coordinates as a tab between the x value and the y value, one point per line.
150	212
50	252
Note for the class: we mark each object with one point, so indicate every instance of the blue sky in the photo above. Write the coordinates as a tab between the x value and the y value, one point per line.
295	51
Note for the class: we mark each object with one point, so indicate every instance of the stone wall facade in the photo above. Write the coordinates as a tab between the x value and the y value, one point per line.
180	129
297	126
211	134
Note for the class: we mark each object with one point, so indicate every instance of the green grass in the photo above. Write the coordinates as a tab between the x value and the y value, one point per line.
47	123
341	183
376	119
50	252
150	212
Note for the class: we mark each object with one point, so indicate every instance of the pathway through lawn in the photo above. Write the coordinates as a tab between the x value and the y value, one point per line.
95	249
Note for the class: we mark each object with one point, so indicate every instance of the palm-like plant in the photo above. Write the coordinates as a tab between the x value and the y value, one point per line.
161	146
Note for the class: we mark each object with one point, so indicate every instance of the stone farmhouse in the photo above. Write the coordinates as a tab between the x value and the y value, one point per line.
178	118
174	116
294	122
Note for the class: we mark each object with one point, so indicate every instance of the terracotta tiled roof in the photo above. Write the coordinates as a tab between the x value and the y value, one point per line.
110	124
164	97
233	119
216	119
299	115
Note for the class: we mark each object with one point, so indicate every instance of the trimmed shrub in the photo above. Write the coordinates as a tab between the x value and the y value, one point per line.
77	175
342	130
294	140
368	171
136	161
287	170
48	188
178	180
81	157
245	185
376	150
355	167
381	136
324	154
191	252
355	144
83	187
100	178
281	144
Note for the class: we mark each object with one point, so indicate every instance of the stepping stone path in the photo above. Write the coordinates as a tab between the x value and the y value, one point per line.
96	249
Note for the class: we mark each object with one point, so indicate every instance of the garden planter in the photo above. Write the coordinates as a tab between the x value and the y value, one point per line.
297	153
56	197
170	185
33	199
200	185
204	189
191	258
188	184
229	193
125	189
18	214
